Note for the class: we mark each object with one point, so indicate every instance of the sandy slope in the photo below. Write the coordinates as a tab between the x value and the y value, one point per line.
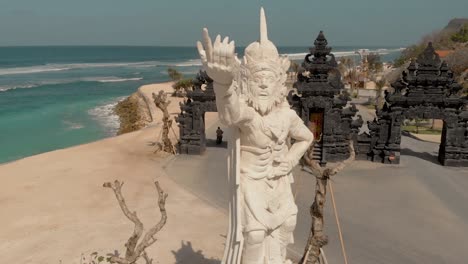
54	206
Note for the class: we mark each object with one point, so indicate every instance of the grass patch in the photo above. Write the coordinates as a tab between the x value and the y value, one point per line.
422	130
370	106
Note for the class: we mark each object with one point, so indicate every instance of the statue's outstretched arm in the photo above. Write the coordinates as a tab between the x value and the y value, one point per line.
222	65
228	104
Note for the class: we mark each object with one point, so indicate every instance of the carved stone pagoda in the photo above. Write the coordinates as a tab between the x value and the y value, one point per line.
320	101
426	90
191	120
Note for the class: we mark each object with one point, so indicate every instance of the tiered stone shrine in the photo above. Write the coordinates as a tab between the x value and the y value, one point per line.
192	117
321	103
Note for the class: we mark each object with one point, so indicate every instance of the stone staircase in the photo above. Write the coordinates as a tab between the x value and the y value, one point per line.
317	153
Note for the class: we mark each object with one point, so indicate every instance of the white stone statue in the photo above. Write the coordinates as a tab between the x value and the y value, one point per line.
251	100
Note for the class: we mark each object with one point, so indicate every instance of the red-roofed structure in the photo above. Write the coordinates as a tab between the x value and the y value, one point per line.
443	53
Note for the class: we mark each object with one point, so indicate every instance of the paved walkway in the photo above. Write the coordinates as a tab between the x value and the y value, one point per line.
414	212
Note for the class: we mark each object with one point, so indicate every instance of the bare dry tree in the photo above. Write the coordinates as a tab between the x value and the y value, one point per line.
162	103
317	239
136	250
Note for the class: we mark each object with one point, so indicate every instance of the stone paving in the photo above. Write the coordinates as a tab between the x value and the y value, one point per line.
414	212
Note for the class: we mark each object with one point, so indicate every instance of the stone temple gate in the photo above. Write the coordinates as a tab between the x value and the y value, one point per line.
320	100
192	117
426	90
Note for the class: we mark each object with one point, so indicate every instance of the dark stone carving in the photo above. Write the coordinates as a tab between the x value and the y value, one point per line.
192	116
320	90
426	90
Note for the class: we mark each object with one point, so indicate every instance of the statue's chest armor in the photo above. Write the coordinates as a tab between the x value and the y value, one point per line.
266	131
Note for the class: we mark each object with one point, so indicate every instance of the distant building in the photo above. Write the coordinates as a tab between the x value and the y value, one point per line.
443	53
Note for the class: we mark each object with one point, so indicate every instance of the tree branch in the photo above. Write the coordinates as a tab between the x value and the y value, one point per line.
162	103
317	239
138	230
147	259
148	239
135	250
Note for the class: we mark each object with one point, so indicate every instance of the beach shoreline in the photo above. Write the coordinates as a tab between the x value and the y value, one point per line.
58	209
148	114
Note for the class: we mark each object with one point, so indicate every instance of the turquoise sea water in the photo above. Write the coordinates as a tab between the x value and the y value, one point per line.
56	97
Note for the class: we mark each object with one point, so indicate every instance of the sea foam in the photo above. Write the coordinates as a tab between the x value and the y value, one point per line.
101	79
120	80
74	66
106	116
72	125
5	88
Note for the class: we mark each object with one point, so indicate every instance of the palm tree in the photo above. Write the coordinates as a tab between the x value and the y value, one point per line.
346	67
379	85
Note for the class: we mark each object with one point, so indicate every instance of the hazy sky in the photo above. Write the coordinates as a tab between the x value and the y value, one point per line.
177	22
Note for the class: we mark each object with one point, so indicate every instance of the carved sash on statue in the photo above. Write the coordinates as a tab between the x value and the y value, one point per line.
251	100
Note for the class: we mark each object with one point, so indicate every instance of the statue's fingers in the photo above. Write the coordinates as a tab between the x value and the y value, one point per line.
227	51
238	62
217	49
224	55
200	47
233	60
232	48
201	52
208	44
218	39
284	167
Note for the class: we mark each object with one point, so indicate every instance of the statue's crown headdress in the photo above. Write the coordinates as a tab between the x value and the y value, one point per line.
263	54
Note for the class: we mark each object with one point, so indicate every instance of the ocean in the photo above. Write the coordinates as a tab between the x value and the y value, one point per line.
57	97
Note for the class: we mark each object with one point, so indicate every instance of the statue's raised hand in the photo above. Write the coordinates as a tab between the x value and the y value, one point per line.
219	59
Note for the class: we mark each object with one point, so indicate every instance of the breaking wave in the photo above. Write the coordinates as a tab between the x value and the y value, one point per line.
106	116
12	87
72	125
73	66
33	69
120	80
106	79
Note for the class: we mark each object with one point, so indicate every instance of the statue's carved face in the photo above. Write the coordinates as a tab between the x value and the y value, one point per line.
262	83
264	88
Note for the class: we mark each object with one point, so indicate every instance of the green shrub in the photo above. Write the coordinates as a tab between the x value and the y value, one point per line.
461	35
174	74
182	87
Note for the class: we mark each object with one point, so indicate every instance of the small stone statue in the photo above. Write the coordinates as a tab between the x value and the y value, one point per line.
219	136
251	100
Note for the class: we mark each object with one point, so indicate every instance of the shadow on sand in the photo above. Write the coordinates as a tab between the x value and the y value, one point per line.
187	255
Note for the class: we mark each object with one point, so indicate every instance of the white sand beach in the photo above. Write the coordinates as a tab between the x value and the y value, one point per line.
54	207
